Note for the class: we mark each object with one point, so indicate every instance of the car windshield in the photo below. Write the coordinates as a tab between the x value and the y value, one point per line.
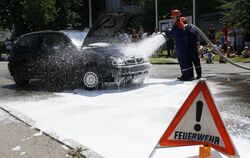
77	37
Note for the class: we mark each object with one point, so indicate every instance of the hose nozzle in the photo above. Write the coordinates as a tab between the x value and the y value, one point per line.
164	35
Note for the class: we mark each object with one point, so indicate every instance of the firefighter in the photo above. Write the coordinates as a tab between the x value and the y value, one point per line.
192	50
178	33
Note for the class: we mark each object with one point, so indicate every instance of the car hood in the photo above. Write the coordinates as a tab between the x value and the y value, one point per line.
108	50
105	50
107	27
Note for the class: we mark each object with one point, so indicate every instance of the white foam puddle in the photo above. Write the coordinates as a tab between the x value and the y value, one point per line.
118	123
17	148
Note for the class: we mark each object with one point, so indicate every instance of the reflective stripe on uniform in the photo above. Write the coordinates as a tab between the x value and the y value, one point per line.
190	68
185	69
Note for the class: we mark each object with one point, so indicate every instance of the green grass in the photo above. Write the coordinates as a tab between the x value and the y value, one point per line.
234	59
241	59
170	60
161	60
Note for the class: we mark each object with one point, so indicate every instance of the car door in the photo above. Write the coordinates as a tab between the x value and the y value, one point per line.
25	51
54	54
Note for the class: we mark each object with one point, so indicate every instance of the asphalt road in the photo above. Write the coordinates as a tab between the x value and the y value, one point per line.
20	140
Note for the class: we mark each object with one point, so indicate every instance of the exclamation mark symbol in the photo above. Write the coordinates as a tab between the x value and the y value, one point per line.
199	107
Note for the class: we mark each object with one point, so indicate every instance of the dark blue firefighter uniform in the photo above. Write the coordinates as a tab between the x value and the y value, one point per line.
192	51
181	44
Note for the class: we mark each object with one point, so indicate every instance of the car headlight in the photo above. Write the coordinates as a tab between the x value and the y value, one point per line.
117	61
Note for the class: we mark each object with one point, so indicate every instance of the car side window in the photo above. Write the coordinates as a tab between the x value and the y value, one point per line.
28	42
53	42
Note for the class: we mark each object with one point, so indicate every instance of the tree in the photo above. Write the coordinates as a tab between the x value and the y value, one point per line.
74	14
210	6
69	14
38	14
11	16
148	14
236	13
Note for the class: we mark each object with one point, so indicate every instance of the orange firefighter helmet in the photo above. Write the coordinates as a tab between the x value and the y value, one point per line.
175	13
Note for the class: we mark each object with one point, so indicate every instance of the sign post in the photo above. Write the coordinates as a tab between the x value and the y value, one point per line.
205	152
198	122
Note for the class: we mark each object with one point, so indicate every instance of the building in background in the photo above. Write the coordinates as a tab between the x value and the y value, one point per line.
122	6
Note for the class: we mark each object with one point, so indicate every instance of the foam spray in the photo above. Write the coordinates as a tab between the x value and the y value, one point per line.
145	47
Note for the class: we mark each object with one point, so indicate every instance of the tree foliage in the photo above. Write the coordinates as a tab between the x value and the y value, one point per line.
69	14
236	13
22	16
208	6
39	13
30	15
11	17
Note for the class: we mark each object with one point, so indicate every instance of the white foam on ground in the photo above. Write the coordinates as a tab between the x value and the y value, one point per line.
22	153
17	148
118	123
38	134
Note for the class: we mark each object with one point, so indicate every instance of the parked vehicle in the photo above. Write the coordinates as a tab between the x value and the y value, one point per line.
60	57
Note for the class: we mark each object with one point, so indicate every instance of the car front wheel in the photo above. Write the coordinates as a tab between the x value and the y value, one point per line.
91	79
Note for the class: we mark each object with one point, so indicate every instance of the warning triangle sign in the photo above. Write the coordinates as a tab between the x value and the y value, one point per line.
198	122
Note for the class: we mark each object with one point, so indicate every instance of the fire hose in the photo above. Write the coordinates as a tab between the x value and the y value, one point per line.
217	51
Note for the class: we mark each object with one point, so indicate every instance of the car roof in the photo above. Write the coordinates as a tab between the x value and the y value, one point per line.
63	32
42	32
